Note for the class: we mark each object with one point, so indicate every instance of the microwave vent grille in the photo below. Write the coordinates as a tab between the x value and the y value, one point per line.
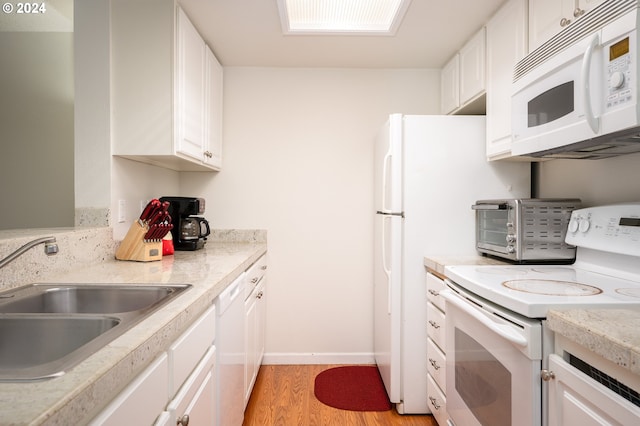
588	24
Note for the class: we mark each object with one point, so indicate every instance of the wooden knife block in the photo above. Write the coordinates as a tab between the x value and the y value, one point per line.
134	247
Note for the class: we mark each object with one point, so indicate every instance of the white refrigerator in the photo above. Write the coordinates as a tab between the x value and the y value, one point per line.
429	171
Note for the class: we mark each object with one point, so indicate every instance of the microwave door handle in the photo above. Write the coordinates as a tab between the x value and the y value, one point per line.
585	75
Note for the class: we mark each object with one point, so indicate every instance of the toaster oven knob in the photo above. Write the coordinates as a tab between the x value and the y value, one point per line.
511	249
511	238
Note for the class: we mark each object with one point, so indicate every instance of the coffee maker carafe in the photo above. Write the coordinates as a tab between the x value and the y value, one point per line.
190	230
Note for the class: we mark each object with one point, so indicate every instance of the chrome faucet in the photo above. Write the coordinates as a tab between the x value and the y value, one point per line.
50	248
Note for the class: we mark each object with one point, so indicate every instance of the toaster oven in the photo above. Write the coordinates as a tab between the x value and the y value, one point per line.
528	230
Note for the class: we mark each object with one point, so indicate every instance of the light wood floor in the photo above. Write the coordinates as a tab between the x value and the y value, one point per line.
283	396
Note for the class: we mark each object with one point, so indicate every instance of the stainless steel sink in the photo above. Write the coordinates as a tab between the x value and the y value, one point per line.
83	299
47	329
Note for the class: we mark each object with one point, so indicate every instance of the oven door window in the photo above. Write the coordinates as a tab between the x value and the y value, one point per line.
482	382
492	228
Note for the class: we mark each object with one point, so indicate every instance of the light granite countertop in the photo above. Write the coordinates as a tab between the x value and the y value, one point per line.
613	334
80	394
438	263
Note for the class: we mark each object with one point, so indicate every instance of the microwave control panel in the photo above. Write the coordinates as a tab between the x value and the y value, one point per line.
619	72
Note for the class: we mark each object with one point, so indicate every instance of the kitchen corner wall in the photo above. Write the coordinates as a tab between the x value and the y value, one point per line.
298	162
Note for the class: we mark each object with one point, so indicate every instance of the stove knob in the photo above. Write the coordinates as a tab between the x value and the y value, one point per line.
573	225
584	225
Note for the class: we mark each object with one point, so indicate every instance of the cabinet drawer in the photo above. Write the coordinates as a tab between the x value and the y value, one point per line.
434	286
190	347
437	402
255	274
435	325
436	365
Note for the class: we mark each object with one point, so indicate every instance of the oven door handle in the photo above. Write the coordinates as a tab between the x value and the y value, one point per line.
504	331
497	206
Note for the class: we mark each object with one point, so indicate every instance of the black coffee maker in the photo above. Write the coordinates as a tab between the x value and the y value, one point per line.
190	230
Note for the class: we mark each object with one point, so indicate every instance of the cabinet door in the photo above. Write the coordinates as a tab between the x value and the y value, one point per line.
213	118
506	44
196	397
142	401
188	349
261	316
190	89
576	399
449	86
547	18
472	68
250	322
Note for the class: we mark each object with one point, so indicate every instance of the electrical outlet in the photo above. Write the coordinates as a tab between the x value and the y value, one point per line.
122	211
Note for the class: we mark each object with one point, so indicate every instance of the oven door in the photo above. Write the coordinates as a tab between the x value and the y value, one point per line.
493	363
492	230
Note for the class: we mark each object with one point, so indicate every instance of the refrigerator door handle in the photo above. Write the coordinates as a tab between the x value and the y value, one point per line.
386	213
385	268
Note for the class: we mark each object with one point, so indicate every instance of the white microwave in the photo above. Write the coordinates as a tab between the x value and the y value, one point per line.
576	96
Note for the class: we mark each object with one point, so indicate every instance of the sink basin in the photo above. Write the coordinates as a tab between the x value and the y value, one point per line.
46	329
35	347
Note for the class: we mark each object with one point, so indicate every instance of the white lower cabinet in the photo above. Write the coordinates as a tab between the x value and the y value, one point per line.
196	400
179	383
142	401
255	316
436	352
577	399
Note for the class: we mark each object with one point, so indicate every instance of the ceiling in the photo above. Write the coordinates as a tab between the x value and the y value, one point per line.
248	33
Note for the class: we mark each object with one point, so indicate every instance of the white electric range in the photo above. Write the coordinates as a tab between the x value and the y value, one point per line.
495	325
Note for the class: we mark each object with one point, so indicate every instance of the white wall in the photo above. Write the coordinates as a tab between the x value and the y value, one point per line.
595	182
298	161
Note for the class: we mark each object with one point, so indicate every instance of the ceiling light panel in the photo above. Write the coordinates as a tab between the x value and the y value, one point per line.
341	17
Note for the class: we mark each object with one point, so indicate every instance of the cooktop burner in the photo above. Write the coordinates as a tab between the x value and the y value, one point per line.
531	290
552	287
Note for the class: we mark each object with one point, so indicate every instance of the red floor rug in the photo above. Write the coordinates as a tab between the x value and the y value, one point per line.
354	388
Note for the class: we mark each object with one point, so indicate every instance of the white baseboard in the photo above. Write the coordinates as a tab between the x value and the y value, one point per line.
317	358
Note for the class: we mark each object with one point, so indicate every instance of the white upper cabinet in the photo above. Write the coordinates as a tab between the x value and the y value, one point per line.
463	78
506	44
472	68
166	89
449	85
190	91
549	17
213	112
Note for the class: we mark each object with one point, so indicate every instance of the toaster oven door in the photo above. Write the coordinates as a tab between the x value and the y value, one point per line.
494	229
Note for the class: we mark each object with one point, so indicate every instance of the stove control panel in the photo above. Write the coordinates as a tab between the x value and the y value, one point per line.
614	228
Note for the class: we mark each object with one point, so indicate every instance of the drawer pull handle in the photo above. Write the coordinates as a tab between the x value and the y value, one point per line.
433	292
259	295
434	402
254	280
263	267
434	364
434	324
183	421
